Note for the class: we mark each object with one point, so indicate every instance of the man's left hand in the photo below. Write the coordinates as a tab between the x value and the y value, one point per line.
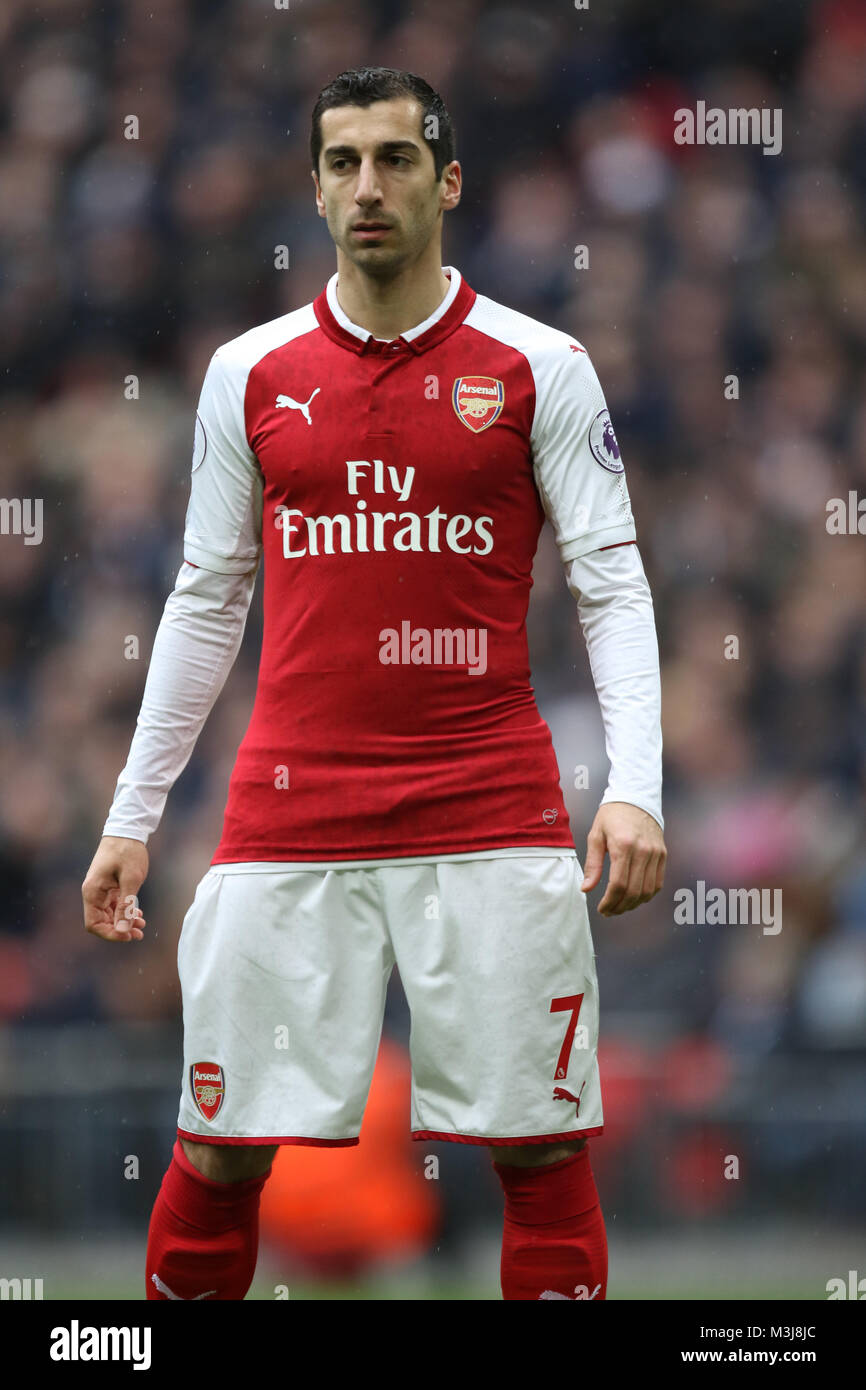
635	843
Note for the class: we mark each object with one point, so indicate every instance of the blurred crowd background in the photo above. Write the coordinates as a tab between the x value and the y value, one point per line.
136	258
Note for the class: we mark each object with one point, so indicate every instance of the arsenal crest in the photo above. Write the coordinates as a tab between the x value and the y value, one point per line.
478	401
208	1088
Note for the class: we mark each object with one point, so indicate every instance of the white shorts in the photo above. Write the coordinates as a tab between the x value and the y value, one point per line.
284	974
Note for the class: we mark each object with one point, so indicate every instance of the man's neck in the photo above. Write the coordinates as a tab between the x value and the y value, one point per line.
387	308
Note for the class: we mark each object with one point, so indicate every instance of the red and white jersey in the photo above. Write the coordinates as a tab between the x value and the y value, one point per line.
397	491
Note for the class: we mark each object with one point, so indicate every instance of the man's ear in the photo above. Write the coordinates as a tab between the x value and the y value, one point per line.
320	200
452	183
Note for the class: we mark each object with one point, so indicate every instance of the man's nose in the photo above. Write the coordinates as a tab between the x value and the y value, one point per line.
367	189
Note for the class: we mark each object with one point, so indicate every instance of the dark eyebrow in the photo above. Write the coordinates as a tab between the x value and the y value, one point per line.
387	147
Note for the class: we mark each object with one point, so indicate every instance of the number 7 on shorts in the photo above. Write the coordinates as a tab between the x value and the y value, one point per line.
572	1002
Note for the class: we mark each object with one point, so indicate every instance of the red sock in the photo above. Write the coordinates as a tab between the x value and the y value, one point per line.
554	1243
203	1240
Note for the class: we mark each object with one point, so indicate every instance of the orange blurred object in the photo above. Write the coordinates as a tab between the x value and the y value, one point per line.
697	1073
337	1210
694	1181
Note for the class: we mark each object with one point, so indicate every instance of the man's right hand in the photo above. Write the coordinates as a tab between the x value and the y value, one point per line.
110	889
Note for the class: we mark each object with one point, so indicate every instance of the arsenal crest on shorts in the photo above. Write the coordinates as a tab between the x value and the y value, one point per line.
478	401
208	1088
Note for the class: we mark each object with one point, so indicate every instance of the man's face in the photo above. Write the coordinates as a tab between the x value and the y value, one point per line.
377	184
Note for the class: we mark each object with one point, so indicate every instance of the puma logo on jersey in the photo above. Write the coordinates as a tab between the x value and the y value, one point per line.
163	1288
302	406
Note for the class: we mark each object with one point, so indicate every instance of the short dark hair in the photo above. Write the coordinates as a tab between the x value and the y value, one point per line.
363	86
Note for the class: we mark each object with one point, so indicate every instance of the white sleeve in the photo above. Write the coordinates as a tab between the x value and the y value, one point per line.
194	649
577	466
224	518
205	615
616	614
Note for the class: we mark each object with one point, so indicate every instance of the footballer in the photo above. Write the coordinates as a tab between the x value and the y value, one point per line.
391	451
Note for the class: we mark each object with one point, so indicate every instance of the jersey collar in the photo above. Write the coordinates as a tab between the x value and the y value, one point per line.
445	318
